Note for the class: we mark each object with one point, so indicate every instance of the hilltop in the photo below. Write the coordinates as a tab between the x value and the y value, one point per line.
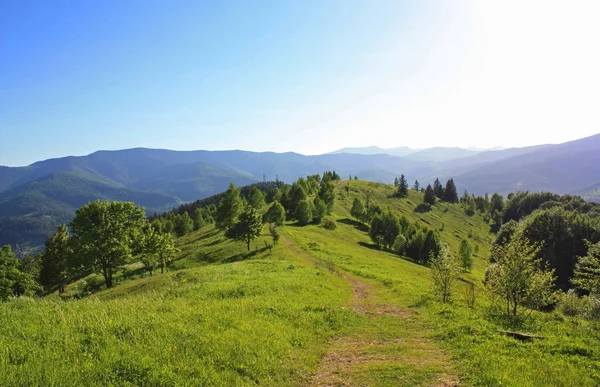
321	307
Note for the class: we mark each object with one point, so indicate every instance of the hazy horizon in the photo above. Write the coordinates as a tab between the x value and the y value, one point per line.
307	77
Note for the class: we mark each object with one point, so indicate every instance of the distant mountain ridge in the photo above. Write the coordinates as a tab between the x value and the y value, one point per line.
35	198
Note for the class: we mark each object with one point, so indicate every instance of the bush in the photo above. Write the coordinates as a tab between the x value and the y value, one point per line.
570	304
329	224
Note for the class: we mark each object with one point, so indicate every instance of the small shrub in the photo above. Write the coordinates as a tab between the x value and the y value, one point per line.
570	304
329	224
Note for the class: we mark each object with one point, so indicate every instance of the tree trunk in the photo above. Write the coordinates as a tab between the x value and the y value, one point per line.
162	268
248	241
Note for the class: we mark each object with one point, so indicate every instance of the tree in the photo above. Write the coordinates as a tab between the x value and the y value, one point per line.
450	194
465	255
319	210
304	211
517	278
402	187
150	244
229	208
358	210
54	259
438	190
14	282
444	271
247	228
275	214
396	181
104	236
429	197
296	195
327	194
256	198
399	244
587	271
198	219
497	202
417	186
274	231
183	224
390	228
166	251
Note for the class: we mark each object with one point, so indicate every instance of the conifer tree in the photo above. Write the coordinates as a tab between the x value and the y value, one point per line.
229	208
438	190
450	194
417	186
402	187
395	182
429	195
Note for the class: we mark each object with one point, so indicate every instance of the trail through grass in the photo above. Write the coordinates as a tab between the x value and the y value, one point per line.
386	347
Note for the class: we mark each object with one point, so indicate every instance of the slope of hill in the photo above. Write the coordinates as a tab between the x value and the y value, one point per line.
323	308
375	150
30	212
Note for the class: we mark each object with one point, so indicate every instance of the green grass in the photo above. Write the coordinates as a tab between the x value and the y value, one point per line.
225	316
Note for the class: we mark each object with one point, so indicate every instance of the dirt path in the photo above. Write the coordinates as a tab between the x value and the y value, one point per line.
357	358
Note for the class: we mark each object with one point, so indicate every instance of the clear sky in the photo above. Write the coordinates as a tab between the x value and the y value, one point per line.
305	76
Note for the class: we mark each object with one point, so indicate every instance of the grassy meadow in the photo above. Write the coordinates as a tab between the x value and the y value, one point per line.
323	308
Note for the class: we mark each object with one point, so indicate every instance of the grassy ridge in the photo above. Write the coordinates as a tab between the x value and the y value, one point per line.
224	316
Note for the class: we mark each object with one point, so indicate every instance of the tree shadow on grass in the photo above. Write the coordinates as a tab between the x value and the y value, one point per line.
244	256
371	246
352	222
423	208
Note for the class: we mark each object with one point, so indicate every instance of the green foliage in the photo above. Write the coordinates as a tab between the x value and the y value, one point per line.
229	208
450	193
183	224
198	219
517	278
319	210
562	236
358	210
53	271
14	282
275	214
104	236
247	228
274	232
402	187
465	255
327	194
587	271
329	224
417	186
429	197
399	246
438	190
256	198
304	212
444	272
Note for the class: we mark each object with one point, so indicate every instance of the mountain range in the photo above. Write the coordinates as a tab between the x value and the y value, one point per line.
36	198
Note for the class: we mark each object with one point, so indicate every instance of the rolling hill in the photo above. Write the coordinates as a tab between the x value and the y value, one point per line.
191	175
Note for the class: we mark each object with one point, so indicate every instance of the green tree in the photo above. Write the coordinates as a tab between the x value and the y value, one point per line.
402	187
327	194
104	236
166	251
319	210
247	228
183	224
358	210
465	255
399	246
296	195
450	194
587	271
417	186
229	208
390	229
198	219
256	198
396	181
274	231
151	240
304	212
518	279
275	214
54	259
444	272
497	203
429	197
438	190
14	282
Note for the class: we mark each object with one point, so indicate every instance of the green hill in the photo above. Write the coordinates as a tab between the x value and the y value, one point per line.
31	212
324	307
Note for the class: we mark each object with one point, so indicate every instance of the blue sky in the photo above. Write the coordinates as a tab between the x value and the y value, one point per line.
304	76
